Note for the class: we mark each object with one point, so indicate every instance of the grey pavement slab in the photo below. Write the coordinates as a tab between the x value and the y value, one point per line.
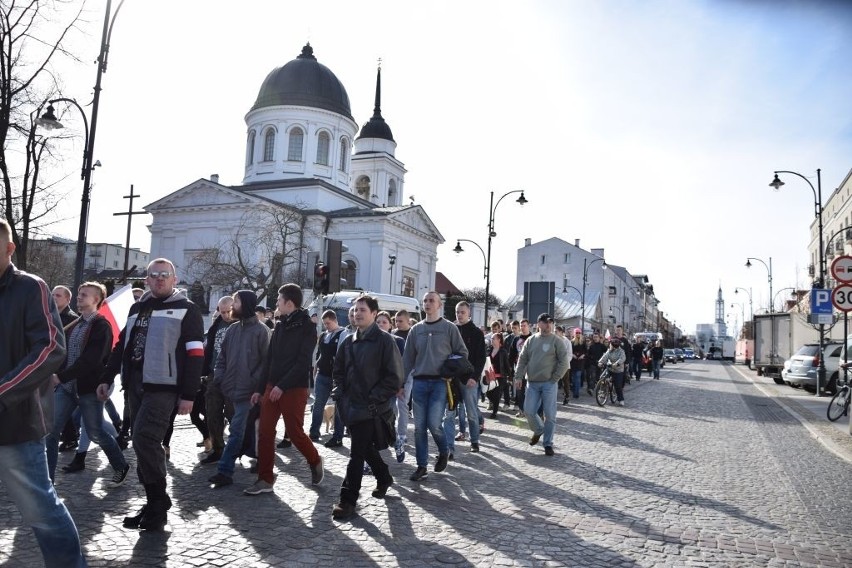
701	468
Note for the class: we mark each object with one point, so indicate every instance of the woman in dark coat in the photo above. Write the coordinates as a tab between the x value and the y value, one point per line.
500	363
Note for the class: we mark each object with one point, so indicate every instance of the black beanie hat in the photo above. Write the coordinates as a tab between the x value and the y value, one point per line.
248	300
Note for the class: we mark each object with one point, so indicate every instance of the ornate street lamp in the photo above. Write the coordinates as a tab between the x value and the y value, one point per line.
492	208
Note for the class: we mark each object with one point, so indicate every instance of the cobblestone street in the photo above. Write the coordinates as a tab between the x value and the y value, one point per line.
699	469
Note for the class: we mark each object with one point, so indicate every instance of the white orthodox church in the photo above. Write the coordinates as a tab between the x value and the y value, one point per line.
306	159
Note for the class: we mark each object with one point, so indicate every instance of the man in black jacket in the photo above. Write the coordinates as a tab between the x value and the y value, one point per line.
216	406
474	340
32	347
89	341
160	354
367	374
284	390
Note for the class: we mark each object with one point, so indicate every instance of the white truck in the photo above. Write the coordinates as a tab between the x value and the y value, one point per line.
721	348
778	336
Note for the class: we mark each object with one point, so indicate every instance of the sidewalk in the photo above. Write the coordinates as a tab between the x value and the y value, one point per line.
808	409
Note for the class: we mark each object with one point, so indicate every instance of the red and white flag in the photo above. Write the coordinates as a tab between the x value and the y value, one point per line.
116	308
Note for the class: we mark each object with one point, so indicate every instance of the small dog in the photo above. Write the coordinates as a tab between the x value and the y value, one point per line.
328	416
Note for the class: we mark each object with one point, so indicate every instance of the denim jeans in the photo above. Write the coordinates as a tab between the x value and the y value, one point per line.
236	434
541	394
322	390
85	441
636	368
467	409
400	407
24	474
657	368
92	413
576	379
618	383
430	400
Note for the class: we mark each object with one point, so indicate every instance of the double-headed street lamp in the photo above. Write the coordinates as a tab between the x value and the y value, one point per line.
782	290
769	271
620	310
776	184
750	306
49	121
459	250
492	208
586	266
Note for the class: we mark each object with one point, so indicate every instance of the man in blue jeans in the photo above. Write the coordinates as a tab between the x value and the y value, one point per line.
543	361
239	370
468	407
326	350
429	343
32	347
89	340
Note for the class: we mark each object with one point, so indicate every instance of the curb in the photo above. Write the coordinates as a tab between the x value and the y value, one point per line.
824	433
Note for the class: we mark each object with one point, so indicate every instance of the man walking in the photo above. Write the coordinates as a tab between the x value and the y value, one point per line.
238	371
89	340
367	374
474	340
429	344
216	407
284	389
326	350
543	361
160	354
32	347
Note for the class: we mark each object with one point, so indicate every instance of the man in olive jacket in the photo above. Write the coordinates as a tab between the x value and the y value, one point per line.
32	347
367	374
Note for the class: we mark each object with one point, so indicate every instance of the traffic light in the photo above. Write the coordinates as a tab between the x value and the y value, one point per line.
321	278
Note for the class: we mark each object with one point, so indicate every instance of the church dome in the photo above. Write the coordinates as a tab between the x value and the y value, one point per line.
304	82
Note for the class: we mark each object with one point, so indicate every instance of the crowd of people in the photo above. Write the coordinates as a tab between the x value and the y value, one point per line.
251	368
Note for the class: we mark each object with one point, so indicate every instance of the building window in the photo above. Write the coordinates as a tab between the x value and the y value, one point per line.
323	144
362	187
392	192
543	259
294	149
612	290
408	285
250	149
344	153
269	145
349	274
565	280
567	259
115	264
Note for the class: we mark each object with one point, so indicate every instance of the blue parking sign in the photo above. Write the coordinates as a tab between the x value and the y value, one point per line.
821	301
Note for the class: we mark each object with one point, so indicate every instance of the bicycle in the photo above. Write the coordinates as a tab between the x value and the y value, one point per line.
839	405
604	389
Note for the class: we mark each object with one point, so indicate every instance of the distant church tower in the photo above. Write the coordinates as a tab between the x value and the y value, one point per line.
721	328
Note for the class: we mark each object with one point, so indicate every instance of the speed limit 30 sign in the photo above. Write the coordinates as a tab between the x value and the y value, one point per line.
841	297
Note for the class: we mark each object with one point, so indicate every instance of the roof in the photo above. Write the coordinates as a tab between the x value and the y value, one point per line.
304	82
444	286
376	127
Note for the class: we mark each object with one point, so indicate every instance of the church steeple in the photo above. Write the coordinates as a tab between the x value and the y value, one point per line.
377	127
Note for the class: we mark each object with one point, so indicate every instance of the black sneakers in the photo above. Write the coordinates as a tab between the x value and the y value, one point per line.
441	464
381	489
534	439
419	474
220	480
474	447
212	457
548	450
119	475
343	511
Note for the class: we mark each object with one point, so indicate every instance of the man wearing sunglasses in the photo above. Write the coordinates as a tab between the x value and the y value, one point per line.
159	353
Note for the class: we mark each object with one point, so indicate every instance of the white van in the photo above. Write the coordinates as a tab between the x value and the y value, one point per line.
342	301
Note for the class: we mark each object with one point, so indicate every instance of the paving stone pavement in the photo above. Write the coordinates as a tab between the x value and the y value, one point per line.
699	469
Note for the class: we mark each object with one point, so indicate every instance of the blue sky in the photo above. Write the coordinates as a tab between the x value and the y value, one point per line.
649	129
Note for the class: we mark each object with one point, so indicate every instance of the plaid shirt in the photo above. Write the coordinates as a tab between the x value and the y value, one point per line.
76	342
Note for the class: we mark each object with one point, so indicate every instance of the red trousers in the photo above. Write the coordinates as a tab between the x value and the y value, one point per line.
291	406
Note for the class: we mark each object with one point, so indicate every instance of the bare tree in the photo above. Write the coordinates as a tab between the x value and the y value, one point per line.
48	260
477	294
264	250
33	35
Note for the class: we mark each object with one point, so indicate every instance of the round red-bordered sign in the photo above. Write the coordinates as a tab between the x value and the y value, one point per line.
841	268
841	297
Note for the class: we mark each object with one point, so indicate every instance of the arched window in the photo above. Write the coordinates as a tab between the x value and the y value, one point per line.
392	192
269	145
362	187
323	143
294	150
349	273
344	153
250	148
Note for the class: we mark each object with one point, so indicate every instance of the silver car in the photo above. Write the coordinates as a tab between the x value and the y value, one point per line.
805	363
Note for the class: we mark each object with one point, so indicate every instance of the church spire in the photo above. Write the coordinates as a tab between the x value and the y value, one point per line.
377	127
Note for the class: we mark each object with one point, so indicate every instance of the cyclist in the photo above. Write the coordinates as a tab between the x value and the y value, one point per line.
616	357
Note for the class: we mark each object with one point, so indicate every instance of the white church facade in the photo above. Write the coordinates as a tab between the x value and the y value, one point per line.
310	175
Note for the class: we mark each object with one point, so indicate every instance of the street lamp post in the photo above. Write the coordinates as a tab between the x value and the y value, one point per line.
492	209
458	250
742	309
621	312
769	271
775	297
586	266
776	184
565	291
750	307
391	262
49	121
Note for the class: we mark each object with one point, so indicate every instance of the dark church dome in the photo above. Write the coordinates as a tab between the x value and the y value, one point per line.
304	82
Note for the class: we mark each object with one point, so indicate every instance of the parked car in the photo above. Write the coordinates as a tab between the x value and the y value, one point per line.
689	353
804	365
669	356
679	353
